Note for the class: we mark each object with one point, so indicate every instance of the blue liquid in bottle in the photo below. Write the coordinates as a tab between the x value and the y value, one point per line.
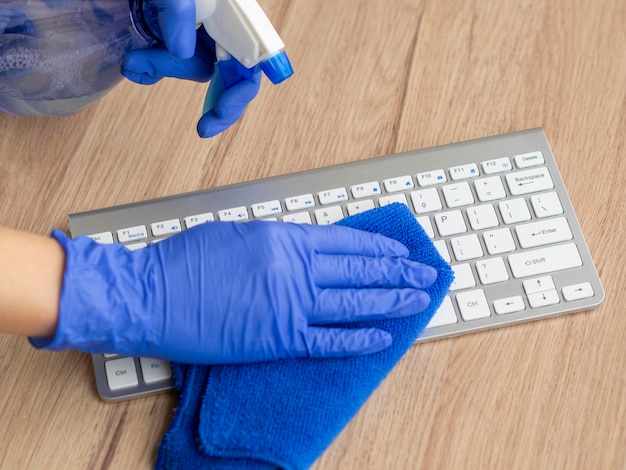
59	56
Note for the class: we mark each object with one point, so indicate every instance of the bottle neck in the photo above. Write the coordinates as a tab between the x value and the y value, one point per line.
145	20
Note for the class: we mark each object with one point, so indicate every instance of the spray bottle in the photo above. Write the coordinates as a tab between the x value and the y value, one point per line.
244	39
58	57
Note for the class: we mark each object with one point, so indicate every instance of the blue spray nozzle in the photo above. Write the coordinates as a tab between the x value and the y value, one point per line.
230	72
277	68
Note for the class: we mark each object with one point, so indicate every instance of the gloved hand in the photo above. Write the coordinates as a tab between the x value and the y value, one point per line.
13	21
227	292
148	66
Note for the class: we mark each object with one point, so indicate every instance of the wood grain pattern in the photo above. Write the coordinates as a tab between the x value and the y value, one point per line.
371	78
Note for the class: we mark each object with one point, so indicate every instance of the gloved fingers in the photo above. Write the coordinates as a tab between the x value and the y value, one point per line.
353	305
148	66
140	78
341	342
13	21
229	107
210	124
336	239
177	21
238	96
365	271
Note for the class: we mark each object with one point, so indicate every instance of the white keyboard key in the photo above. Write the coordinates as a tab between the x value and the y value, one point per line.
297	203
424	221
234	214
121	373
332	196
529	181
167	227
499	241
426	200
263	209
155	370
473	305
400	183
386	200
442	248
482	217
298	218
458	194
444	315
584	290
463	172
543	299
132	234
543	232
546	205
492	271
362	190
429	178
466	247
328	215
105	238
193	220
540	284
360	206
545	260
450	223
463	277
514	211
497	165
509	305
489	189
527	160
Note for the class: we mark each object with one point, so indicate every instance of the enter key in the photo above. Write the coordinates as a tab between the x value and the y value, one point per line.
543	232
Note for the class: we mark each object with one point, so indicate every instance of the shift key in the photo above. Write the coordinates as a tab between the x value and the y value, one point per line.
545	260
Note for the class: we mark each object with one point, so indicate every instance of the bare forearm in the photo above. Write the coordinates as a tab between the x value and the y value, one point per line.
31	275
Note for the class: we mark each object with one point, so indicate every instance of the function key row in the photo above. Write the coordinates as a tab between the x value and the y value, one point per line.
456	195
424	201
522	182
471	170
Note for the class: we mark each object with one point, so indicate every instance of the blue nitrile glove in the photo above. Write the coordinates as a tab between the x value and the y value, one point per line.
177	22
13	21
148	66
227	292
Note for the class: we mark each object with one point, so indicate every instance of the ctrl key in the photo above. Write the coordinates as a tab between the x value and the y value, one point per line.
121	373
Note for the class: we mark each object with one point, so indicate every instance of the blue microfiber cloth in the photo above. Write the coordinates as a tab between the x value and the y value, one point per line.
284	414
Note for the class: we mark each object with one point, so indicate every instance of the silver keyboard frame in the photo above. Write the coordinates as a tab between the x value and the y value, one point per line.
345	175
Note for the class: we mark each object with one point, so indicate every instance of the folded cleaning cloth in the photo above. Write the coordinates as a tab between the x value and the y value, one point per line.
284	414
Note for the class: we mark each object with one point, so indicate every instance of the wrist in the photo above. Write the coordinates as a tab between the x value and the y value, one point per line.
31	273
105	298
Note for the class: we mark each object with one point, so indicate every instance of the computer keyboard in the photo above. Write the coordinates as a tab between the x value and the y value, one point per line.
496	209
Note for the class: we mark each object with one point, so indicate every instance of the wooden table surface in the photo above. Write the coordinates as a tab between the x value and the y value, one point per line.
372	77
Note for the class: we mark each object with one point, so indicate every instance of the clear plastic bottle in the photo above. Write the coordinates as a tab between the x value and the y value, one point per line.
59	56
